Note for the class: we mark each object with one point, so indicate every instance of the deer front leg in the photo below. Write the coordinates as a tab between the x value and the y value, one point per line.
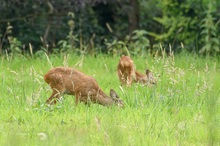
82	98
77	98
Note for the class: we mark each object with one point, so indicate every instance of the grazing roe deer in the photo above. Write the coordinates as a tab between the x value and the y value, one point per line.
66	80
147	79
127	73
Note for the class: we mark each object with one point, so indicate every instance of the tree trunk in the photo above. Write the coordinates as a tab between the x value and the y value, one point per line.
133	16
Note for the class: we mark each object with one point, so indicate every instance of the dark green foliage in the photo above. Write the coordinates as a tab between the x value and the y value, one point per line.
47	27
210	32
185	22
180	23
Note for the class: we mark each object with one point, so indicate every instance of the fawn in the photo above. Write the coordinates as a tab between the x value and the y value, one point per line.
127	73
66	80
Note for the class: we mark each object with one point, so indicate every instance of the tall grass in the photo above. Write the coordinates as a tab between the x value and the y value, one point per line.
182	109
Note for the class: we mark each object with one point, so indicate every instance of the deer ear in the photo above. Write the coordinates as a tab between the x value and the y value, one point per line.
113	94
147	72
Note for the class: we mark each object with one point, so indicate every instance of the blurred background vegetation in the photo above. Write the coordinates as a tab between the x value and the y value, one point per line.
109	26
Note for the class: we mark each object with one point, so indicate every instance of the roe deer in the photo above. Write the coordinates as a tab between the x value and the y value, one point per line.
65	80
147	79
127	73
126	70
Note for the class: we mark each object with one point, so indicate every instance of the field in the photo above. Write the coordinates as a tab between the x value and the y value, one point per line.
182	109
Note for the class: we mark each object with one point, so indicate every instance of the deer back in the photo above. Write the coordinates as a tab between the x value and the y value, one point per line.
70	80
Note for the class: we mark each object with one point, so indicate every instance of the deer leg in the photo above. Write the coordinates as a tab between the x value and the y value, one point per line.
81	98
54	97
129	80
121	77
77	98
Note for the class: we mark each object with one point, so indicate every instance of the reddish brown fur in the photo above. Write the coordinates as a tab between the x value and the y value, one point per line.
147	78
126	70
127	73
65	80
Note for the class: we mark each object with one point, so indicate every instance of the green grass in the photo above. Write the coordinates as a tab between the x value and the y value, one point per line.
183	109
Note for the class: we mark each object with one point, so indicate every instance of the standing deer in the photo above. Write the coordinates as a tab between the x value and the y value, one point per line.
126	70
127	73
65	80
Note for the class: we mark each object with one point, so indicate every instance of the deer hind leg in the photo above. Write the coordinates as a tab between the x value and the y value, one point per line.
124	79
129	80
121	77
55	96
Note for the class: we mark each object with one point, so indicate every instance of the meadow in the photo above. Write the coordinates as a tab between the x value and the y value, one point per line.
182	109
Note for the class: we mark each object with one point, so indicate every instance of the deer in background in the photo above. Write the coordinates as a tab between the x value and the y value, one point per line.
127	73
65	80
126	70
